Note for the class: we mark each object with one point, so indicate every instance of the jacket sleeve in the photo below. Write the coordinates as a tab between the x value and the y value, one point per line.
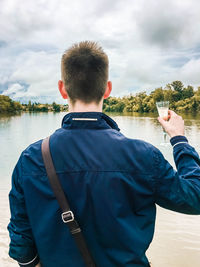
22	246
178	190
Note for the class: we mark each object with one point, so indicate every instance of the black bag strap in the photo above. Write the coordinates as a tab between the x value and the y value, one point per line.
67	215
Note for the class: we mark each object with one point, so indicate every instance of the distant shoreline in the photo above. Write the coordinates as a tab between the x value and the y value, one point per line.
186	114
182	100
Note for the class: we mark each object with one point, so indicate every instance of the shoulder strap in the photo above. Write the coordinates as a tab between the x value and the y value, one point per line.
67	215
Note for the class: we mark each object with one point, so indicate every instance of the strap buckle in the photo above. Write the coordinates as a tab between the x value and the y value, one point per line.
67	216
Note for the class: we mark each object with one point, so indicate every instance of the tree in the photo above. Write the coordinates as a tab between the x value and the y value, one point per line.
168	94
56	107
198	91
30	106
177	86
158	95
188	92
7	105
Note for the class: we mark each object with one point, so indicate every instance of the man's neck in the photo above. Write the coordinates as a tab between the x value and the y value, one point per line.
79	106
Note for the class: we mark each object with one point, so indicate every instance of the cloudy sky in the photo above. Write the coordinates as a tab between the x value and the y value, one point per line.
149	43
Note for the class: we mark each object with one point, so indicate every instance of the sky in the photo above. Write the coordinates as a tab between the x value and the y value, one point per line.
149	43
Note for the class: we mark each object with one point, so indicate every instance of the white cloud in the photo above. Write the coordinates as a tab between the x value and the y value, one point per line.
190	72
149	43
13	89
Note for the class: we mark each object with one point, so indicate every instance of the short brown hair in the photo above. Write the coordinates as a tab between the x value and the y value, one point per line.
84	68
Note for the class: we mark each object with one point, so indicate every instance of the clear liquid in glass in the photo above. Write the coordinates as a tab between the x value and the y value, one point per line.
163	108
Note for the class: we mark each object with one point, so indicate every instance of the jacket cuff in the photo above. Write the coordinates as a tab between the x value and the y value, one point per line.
179	139
31	263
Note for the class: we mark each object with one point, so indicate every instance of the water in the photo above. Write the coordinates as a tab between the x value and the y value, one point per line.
177	237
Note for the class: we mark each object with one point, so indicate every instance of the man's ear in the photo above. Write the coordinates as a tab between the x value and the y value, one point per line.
62	90
108	89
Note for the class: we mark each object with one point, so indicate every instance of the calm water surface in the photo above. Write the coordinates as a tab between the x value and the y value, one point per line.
176	241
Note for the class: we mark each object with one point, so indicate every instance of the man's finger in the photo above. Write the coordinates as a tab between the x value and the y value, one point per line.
172	113
162	122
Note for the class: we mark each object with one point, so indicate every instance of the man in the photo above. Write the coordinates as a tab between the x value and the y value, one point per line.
112	182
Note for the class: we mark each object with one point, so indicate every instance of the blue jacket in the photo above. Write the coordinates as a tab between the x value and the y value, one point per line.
113	184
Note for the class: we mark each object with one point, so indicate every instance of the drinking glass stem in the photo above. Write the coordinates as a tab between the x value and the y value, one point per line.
164	134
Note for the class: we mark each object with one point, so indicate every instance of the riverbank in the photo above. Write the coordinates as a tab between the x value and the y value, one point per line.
185	115
182	99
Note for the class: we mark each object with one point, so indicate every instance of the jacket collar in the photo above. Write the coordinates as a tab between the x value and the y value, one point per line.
88	120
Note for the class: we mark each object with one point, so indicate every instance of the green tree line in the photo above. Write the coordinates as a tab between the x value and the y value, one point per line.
7	105
181	99
38	107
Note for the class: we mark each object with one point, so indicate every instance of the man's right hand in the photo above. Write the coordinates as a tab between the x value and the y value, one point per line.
174	126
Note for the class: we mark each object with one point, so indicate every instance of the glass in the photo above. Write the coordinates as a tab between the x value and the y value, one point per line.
163	108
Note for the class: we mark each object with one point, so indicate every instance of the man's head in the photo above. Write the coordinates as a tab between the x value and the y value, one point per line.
84	69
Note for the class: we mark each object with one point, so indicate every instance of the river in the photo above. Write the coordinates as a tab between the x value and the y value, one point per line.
176	241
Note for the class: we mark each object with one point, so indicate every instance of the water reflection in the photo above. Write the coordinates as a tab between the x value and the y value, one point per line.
5	119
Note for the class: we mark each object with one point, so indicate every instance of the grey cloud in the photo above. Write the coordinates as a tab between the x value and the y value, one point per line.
2	44
170	24
146	41
19	19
